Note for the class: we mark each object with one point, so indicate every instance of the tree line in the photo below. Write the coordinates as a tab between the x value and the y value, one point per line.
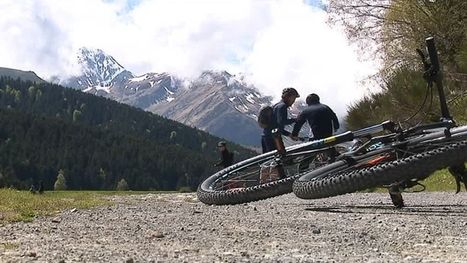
47	130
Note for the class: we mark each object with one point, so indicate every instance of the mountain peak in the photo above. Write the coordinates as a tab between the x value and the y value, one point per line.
95	63
222	77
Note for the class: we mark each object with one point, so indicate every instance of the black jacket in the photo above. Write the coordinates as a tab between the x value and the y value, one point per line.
226	159
279	119
320	118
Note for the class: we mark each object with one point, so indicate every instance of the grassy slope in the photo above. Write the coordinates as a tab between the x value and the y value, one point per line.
440	181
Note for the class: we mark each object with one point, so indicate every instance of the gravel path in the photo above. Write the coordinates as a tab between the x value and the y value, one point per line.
177	228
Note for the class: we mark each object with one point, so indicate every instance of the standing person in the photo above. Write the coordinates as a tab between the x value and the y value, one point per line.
322	120
279	119
226	156
41	187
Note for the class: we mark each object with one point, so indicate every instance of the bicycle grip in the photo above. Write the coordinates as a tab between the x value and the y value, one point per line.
432	53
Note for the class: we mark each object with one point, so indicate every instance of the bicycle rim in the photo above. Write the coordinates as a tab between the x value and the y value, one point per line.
258	178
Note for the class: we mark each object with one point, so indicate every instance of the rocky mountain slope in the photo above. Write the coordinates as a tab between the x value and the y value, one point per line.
217	102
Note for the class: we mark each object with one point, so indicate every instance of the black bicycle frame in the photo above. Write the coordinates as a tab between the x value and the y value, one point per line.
435	75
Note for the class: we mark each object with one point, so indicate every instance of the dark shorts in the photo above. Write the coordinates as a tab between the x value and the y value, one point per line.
267	143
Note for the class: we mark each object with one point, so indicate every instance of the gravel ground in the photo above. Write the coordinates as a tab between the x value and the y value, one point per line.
178	228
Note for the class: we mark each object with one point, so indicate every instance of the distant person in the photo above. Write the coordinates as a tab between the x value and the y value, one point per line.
322	120
41	187
37	190
226	156
279	119
32	189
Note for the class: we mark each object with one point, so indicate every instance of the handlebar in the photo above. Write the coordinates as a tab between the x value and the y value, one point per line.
432	74
431	69
426	65
433	54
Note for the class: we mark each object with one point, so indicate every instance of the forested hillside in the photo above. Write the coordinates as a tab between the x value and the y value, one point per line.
24	75
96	142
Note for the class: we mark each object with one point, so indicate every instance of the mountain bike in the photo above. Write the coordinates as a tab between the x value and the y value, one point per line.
272	174
266	175
398	160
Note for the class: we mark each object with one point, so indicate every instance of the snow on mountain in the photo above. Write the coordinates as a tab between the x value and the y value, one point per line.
217	101
98	65
140	78
148	89
100	73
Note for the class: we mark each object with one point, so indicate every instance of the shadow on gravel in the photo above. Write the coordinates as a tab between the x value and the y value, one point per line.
432	210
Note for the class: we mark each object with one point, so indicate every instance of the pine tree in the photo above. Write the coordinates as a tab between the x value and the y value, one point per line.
76	115
173	134
203	146
122	185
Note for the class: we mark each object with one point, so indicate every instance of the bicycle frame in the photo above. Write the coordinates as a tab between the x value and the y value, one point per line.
435	75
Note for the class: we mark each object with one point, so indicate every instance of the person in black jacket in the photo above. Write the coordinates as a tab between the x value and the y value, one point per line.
226	156
279	119
322	120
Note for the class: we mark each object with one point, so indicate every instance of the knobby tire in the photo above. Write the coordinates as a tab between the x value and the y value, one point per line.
330	181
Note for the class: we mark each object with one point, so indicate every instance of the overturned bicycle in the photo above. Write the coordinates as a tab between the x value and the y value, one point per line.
383	155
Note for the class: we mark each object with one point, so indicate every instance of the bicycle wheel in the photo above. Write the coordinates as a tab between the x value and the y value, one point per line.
258	178
384	166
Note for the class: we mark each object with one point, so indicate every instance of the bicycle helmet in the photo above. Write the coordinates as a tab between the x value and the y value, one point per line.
290	92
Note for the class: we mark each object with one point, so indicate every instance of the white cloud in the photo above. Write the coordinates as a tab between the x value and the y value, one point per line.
299	49
277	43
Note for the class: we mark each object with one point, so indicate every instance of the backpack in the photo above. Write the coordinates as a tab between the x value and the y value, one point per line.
265	117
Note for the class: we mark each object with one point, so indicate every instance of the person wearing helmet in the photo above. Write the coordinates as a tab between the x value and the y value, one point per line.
279	119
322	120
226	156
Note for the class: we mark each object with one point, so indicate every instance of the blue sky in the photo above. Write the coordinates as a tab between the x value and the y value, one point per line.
130	4
315	3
